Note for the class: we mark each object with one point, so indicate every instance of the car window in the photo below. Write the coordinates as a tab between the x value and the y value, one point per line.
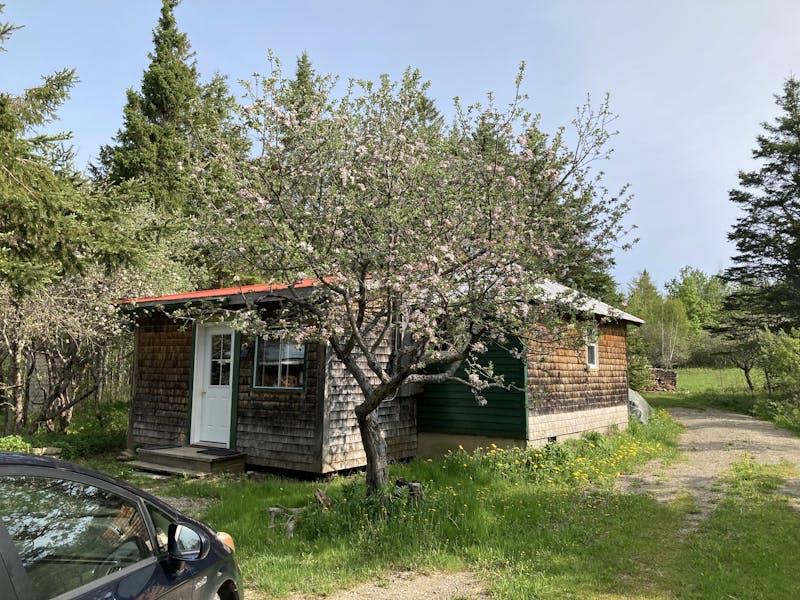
161	525
69	533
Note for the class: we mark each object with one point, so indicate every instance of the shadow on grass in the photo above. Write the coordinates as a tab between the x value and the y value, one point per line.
738	402
748	548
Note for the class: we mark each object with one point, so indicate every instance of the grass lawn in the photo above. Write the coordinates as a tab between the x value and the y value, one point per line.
695	380
543	523
540	523
724	389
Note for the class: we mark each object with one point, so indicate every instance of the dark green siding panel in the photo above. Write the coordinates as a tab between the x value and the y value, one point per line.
452	408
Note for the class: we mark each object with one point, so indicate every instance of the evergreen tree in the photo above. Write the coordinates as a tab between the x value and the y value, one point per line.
767	266
167	124
51	224
161	156
154	143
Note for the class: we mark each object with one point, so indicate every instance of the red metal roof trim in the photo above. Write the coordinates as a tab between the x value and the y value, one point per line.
259	288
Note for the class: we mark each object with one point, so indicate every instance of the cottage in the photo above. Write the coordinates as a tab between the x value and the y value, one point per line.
277	405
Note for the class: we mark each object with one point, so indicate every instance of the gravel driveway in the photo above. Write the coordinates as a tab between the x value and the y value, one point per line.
712	441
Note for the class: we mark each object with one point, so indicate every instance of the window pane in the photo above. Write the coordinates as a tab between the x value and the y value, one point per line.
279	364
216	373
591	354
68	533
294	352
293	375
225	373
270	352
267	376
161	524
225	351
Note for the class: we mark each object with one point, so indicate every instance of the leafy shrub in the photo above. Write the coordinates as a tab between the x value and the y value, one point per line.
89	433
783	413
14	443
781	358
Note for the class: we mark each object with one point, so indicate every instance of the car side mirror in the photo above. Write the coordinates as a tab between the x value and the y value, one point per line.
185	543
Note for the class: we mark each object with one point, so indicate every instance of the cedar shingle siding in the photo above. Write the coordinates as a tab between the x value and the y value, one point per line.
280	429
342	448
312	430
315	430
160	399
559	380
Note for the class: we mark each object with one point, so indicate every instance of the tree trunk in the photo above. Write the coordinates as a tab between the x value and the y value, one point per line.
18	371
749	379
375	449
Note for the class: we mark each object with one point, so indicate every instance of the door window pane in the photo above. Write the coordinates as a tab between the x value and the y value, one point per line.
220	367
69	533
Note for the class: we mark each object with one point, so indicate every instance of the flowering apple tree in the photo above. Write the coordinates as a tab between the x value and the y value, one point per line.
432	239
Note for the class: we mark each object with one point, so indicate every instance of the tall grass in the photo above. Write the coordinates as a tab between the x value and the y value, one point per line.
498	511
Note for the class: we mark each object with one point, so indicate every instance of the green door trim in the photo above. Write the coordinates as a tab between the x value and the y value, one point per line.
188	435
237	344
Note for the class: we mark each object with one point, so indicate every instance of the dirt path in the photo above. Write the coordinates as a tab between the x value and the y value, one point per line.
712	441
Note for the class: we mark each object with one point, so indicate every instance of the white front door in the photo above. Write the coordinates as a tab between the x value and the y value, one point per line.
213	376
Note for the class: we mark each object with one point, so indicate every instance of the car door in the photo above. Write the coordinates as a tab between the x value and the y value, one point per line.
78	537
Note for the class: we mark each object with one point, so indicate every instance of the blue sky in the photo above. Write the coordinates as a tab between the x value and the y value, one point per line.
691	80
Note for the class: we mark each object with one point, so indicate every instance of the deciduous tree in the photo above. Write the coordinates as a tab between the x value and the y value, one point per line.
665	333
421	238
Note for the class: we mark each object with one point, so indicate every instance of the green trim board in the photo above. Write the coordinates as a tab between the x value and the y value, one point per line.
237	345
525	395
451	407
188	436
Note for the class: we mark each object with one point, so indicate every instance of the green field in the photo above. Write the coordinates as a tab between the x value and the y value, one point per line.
720	380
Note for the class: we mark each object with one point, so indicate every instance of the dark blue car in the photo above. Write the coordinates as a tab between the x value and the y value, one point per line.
71	533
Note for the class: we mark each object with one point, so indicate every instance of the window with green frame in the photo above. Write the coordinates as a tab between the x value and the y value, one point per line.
279	365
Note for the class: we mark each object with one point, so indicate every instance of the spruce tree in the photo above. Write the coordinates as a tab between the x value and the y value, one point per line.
42	207
766	268
169	123
171	126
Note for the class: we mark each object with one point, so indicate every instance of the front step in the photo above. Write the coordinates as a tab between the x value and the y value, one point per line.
193	461
165	470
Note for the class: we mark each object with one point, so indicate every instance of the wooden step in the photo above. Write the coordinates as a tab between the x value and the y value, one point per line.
166	470
194	459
